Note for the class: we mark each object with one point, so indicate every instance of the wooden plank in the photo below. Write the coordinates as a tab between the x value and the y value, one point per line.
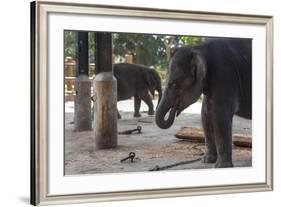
82	87
83	55
103	55
197	135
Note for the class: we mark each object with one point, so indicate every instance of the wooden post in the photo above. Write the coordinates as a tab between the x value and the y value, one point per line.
105	95
82	103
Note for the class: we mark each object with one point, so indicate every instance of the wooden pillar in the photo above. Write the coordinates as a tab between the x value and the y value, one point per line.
82	102
105	95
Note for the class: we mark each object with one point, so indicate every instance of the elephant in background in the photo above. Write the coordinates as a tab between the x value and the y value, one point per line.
221	69
135	80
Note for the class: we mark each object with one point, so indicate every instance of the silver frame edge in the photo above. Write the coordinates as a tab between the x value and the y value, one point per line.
42	9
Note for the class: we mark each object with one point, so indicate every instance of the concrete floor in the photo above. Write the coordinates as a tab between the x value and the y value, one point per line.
152	147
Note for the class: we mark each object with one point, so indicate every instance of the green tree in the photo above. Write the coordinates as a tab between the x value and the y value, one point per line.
70	44
91	45
150	49
147	49
142	47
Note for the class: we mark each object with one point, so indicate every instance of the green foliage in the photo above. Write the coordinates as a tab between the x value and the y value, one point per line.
91	39
188	40
143	48
70	44
150	50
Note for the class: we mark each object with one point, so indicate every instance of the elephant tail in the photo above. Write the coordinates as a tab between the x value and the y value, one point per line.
152	91
154	82
158	86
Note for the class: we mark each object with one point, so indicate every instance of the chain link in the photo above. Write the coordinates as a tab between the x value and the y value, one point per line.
158	168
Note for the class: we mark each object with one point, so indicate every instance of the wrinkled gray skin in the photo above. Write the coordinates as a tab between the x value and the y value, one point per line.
221	69
135	80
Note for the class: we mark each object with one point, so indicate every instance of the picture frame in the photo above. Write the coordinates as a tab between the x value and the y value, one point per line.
43	173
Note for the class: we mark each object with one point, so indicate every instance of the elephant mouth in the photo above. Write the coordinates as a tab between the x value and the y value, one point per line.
172	105
178	112
165	116
179	108
174	111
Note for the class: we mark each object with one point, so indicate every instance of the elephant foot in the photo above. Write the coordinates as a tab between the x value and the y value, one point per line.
223	164
137	115
151	113
209	158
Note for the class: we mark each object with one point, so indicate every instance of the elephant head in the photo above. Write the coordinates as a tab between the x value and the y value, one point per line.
184	85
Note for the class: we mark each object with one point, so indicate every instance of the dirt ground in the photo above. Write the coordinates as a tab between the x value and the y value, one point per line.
154	146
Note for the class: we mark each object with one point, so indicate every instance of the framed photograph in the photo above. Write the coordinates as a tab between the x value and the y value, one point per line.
137	103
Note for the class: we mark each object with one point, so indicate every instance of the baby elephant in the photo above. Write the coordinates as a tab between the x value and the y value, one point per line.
221	69
137	81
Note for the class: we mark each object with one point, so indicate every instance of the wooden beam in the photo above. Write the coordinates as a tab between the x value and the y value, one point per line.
83	55
82	102
103	52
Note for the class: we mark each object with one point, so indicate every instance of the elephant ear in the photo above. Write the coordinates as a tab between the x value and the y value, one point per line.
198	66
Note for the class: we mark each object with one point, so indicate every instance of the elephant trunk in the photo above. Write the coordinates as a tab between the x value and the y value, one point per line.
163	108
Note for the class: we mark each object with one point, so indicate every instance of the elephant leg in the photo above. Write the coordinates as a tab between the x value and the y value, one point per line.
137	101
147	99
222	123
206	115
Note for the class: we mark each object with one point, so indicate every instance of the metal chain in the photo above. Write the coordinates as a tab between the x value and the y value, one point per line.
200	153
158	168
